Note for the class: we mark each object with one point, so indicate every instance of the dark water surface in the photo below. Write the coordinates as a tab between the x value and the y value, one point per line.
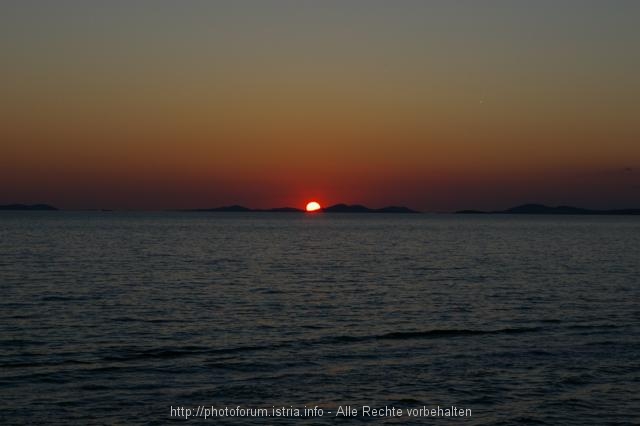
114	318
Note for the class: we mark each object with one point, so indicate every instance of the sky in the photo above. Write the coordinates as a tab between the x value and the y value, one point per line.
436	105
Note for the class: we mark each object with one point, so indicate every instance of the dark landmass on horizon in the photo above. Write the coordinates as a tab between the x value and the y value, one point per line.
559	210
531	209
38	207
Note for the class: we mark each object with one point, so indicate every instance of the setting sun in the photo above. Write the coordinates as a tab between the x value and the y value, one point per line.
313	206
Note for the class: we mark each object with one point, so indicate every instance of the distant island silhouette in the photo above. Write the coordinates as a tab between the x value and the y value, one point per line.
337	208
532	209
38	207
547	210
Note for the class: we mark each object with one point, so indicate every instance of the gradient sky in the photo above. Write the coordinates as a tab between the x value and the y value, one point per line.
438	105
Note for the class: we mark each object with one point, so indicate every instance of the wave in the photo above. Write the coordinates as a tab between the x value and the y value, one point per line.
592	326
127	354
435	334
174	352
26	364
151	320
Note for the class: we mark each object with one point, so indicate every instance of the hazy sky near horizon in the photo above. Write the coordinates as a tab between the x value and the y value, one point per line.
438	105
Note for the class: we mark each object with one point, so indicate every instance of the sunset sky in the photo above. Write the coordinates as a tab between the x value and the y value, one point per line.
437	105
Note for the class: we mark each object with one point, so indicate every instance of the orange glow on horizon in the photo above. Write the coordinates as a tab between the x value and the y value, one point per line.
313	206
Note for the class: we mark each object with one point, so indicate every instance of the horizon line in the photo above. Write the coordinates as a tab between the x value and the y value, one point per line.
527	208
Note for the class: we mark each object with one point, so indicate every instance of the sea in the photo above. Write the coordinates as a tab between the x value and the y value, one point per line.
287	318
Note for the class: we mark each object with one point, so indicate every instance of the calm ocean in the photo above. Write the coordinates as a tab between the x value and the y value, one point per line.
118	318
